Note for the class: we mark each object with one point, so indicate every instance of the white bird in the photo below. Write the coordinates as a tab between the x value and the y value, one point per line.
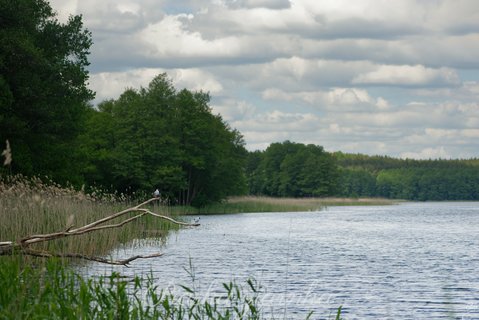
156	194
197	220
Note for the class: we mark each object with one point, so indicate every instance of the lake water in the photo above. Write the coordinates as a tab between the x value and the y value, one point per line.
406	261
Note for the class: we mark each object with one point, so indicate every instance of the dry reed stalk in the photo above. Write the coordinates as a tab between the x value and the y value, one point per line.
22	246
7	153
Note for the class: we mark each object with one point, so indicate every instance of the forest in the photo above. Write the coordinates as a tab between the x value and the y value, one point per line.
376	176
296	170
161	137
149	138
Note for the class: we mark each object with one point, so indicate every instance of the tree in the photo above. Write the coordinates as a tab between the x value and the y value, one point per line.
43	91
291	169
213	154
158	138
356	182
97	142
253	174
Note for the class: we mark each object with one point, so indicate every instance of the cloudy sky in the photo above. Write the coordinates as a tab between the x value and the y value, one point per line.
398	78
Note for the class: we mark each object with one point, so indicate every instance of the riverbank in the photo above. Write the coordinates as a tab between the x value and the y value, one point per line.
247	204
30	206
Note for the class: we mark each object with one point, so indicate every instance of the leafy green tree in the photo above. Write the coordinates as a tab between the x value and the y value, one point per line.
213	154
291	169
254	175
157	137
97	143
356	182
145	150
274	155
43	92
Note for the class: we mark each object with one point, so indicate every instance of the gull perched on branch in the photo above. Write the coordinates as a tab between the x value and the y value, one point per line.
156	193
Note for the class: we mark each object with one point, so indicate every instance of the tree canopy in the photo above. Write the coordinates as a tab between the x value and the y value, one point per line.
293	170
43	91
158	137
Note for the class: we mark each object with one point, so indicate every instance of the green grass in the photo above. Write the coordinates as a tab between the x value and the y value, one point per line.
52	291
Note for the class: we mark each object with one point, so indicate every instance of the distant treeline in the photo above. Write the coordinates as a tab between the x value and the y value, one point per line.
366	176
296	170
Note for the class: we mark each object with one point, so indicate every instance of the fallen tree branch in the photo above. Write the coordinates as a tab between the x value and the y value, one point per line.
123	262
23	245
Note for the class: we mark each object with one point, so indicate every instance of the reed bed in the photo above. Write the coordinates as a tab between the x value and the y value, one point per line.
51	289
32	206
270	204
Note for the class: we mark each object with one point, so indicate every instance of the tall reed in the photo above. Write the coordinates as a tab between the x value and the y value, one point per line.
32	206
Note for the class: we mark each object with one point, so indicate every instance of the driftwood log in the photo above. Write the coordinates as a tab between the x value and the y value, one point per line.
22	246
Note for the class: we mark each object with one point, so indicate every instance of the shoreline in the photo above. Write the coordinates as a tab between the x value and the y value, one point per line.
251	204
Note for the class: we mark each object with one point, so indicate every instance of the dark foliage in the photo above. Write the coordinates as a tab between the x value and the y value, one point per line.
157	137
43	92
409	179
291	169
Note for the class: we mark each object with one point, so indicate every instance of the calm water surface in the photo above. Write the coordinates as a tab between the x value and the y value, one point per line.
407	261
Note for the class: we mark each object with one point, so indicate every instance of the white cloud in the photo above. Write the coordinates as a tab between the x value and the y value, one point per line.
64	8
270	4
405	75
470	133
170	39
440	133
445	136
129	8
276	94
372	76
196	80
334	99
109	85
279	121
349	96
382	104
468	91
232	110
113	17
428	153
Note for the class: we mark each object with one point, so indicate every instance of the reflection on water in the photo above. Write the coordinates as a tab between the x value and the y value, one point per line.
409	261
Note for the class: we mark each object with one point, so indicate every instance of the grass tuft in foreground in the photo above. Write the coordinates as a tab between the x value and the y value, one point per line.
56	292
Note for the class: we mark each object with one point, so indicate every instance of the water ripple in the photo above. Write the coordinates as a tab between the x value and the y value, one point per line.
410	261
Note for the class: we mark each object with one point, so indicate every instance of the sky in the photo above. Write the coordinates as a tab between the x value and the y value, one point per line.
378	77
